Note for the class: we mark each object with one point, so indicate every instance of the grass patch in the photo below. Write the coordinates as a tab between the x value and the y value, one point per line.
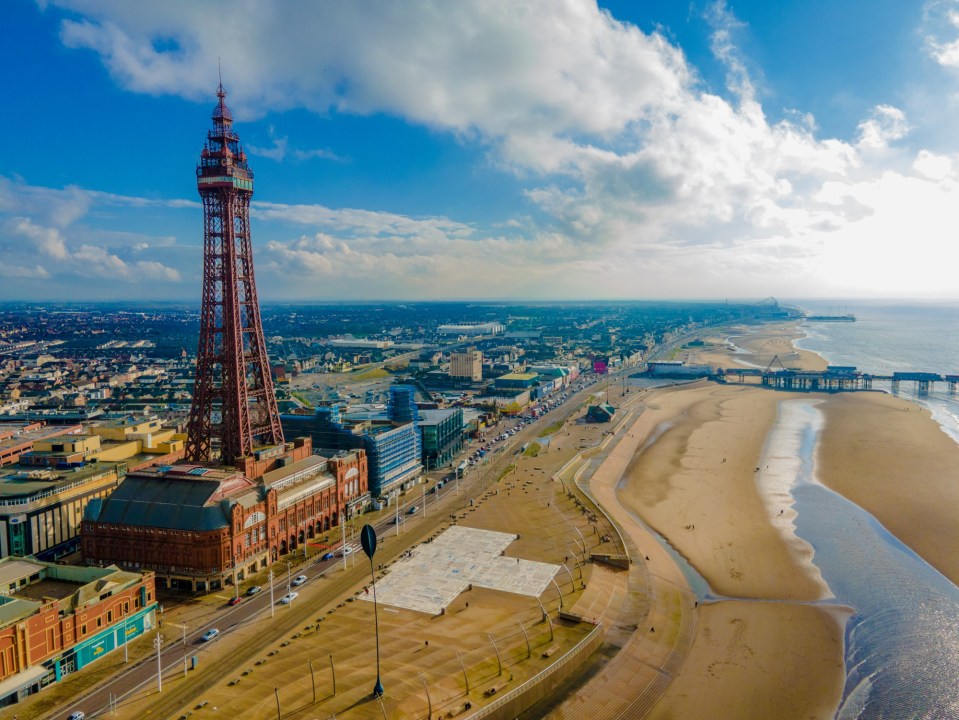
552	429
506	471
302	398
376	374
533	450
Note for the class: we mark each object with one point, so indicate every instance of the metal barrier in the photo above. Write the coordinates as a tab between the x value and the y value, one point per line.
522	697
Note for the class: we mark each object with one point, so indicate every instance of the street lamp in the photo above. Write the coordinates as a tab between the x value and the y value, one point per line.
429	702
157	642
368	541
272	606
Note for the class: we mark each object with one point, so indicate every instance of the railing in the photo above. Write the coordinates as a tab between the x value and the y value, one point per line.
585	647
58	490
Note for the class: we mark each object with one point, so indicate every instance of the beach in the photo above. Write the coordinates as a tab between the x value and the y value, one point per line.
769	635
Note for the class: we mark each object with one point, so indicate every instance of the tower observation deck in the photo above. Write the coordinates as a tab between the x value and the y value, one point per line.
234	409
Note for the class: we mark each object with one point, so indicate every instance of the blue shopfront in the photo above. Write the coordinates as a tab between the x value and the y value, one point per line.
94	648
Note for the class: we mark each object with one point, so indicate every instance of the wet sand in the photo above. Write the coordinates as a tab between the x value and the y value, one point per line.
693	481
766	645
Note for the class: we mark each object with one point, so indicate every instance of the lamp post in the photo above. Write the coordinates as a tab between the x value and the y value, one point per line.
333	673
126	651
236	582
183	628
556	585
529	653
368	541
289	582
499	663
429	702
466	678
157	642
343	547
272	605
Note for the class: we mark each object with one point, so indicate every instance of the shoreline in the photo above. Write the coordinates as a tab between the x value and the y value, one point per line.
694	478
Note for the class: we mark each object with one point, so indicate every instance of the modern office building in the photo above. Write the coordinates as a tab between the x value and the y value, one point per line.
467	364
57	619
392	445
441	435
41	508
472	329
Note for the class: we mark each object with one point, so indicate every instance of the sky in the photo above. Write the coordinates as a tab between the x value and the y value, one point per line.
487	149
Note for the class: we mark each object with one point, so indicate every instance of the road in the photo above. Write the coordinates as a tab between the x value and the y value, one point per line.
435	505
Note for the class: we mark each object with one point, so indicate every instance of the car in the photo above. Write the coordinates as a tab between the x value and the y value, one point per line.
298	580
287	599
347	550
413	510
78	715
398	520
235	600
253	590
209	634
327	556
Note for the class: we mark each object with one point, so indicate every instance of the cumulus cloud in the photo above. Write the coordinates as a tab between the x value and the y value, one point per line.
886	124
636	166
45	225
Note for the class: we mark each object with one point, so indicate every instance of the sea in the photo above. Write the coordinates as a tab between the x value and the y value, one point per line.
902	641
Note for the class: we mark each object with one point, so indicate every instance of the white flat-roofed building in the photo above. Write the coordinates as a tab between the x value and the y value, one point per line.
361	344
472	329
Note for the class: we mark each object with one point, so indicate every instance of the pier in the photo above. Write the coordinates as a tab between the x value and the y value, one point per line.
836	379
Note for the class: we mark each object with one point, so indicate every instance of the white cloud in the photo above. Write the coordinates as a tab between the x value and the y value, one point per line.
640	170
42	235
886	124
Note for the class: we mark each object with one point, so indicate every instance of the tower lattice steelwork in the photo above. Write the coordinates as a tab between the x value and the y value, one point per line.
234	408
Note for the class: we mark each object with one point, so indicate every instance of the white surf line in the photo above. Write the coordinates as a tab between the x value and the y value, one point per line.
781	468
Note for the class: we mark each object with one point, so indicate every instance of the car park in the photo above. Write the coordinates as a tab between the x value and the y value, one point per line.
298	580
209	634
253	590
287	599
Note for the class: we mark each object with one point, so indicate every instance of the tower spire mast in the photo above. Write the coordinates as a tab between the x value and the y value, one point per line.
234	408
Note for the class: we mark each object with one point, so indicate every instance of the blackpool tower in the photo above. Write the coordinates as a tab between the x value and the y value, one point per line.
234	408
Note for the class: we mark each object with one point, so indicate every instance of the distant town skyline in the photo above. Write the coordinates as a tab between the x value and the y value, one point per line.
548	149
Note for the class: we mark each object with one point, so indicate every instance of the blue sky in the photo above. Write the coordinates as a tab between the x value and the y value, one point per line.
552	149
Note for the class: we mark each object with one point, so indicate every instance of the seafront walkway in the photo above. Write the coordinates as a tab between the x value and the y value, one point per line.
650	610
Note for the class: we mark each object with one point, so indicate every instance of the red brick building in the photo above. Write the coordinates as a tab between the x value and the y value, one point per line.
58	619
200	527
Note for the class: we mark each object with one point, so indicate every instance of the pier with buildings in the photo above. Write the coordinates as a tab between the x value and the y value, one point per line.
835	378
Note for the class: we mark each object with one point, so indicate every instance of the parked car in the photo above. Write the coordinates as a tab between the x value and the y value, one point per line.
235	600
287	599
209	635
253	590
298	580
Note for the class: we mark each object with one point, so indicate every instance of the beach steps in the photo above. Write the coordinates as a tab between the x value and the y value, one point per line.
649	659
604	596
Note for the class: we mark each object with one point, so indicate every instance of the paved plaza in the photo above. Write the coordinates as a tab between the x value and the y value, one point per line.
436	572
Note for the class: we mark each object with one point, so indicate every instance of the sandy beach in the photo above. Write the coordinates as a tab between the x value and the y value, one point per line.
766	644
763	648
